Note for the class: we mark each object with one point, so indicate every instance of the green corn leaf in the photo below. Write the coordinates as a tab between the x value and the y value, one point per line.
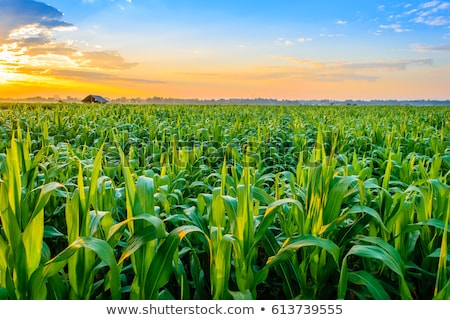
336	197
436	223
220	266
116	231
161	266
33	236
291	245
286	270
94	178
359	208
46	192
397	263
138	240
53	266
378	253
3	293
4	251
9	220
20	274
145	191
14	180
363	278
442	278
52	232
444	293
239	295
269	215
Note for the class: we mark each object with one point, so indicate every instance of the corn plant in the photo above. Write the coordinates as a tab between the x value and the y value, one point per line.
224	202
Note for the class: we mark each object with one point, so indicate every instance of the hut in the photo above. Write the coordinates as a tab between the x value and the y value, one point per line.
94	99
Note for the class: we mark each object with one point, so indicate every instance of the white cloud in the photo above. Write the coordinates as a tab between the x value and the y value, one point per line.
381	7
289	42
431	13
435	9
303	40
283	41
437	48
341	22
30	31
331	35
396	27
377	32
429	4
433	21
411	12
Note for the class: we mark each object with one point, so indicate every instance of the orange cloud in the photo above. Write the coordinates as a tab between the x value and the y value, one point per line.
30	55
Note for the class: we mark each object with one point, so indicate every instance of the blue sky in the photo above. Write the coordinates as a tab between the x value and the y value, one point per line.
222	49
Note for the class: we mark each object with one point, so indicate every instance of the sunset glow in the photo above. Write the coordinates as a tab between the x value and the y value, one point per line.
202	49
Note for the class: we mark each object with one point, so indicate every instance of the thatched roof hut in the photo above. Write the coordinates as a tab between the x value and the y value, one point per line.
94	99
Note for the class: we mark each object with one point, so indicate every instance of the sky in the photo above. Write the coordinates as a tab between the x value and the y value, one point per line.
206	49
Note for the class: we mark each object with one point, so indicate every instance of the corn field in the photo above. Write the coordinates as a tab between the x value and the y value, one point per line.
224	202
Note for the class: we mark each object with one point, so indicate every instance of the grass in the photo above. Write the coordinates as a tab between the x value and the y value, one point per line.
224	202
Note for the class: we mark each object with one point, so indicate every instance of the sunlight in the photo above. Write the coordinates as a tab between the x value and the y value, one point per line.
6	75
11	76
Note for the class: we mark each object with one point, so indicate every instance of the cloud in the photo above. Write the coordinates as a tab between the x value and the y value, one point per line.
288	42
430	13
310	71
105	60
387	65
28	43
341	22
341	70
407	13
437	48
360	66
429	4
303	40
283	41
53	55
18	13
81	75
433	21
331	35
98	76
396	27
434	8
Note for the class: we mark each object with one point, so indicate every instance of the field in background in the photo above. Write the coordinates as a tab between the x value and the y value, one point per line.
224	202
